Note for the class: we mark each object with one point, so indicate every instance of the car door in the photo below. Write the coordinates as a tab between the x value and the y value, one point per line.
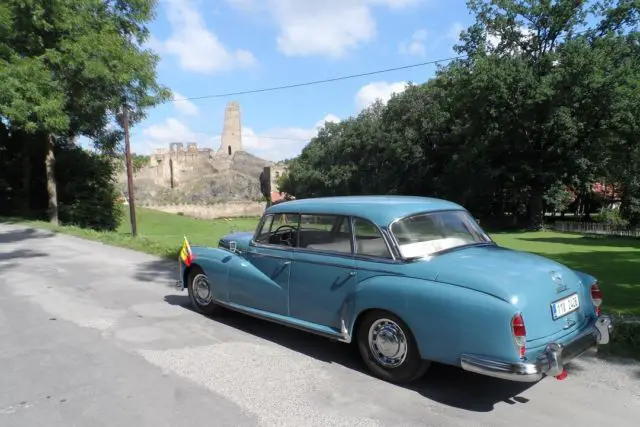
262	280
323	270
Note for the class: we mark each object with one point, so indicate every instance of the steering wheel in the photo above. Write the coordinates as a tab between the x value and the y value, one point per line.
286	240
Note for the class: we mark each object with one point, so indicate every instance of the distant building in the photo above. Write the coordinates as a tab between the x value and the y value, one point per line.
176	147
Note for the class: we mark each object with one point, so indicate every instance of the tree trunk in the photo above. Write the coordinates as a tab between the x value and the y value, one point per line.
49	163
536	206
25	202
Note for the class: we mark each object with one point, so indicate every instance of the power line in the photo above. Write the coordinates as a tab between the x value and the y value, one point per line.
282	138
315	82
334	79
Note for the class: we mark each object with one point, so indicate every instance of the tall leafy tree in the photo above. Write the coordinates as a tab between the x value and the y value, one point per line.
543	105
539	66
67	68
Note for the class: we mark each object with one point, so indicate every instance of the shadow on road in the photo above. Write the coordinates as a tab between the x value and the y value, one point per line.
162	270
444	384
15	236
20	254
8	260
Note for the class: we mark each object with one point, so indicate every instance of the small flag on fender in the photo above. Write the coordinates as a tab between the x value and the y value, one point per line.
185	253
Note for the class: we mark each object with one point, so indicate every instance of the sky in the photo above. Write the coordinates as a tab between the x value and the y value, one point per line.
211	47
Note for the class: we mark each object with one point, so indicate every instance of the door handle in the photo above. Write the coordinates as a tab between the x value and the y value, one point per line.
352	273
287	262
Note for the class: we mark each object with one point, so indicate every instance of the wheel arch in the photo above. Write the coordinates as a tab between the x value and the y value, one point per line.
186	271
359	317
437	314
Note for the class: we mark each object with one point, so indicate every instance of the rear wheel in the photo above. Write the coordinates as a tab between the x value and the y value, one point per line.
200	292
388	348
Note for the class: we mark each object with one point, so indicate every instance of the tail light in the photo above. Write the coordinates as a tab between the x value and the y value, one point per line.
519	333
596	297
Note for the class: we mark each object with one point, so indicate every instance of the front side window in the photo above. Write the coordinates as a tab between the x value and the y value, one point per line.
425	234
279	229
325	233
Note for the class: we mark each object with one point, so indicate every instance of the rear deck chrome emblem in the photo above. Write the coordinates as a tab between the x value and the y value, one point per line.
557	278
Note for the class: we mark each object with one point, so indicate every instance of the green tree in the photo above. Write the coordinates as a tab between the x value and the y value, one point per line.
68	66
546	98
545	85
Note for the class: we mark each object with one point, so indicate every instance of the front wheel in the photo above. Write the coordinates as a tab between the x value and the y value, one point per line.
200	292
388	348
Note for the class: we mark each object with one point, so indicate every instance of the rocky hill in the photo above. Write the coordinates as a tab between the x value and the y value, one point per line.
197	178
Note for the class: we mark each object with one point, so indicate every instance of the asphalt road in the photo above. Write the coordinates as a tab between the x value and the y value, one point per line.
92	335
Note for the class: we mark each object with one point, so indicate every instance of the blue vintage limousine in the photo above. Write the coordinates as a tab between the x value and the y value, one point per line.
409	281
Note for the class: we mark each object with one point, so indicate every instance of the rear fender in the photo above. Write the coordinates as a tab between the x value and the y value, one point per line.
586	279
215	263
446	320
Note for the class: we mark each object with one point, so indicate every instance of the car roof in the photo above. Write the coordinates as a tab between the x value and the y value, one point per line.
381	210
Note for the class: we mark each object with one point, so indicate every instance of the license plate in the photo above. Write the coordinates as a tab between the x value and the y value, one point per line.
565	306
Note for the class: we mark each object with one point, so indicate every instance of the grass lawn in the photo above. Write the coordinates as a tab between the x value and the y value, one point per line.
159	233
614	261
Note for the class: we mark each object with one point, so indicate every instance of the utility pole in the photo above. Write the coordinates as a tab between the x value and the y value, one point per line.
127	154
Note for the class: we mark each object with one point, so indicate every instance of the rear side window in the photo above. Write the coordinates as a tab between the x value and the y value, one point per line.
325	233
369	240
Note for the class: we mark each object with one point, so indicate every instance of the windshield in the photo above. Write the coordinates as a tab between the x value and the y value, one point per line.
425	234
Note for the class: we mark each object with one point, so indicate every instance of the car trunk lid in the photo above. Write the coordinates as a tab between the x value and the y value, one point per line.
536	286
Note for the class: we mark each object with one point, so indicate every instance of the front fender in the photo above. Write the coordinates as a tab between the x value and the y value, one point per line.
446	320
215	264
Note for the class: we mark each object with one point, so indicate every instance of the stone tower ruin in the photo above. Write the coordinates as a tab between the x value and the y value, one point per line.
232	130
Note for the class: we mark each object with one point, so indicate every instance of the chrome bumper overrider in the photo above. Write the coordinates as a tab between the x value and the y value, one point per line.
550	363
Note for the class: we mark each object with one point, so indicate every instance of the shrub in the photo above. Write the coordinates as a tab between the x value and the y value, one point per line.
87	190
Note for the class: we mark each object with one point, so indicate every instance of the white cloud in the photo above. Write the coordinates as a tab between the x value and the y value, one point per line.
331	118
377	90
455	30
195	46
281	142
273	144
416	46
184	106
329	28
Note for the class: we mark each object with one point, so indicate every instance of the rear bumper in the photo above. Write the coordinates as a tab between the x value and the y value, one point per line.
550	363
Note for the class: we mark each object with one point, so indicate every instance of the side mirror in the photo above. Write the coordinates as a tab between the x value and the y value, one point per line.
477	221
232	246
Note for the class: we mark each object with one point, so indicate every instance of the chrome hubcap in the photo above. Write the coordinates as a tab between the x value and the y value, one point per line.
387	343
201	289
